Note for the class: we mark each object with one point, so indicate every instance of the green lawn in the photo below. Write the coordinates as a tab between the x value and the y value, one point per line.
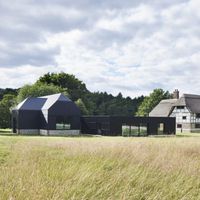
34	167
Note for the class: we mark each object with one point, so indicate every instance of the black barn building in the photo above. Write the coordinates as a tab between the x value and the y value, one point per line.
48	115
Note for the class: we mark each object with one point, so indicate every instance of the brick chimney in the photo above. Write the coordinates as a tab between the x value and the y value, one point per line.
175	94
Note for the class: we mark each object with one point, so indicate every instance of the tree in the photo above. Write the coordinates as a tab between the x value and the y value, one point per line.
6	103
95	102
151	101
7	91
39	89
76	88
82	107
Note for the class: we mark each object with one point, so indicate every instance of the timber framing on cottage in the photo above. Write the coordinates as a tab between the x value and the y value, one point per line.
186	110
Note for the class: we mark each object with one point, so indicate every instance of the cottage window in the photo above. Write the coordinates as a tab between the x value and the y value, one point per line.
180	107
198	115
179	125
197	125
184	117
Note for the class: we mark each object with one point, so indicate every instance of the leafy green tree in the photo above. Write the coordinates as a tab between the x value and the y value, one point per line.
82	107
39	89
7	91
151	101
75	87
6	103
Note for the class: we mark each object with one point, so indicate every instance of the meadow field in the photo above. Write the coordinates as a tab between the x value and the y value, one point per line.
41	168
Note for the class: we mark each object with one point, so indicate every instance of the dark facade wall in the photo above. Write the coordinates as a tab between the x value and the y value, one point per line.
27	119
66	110
93	124
96	125
43	122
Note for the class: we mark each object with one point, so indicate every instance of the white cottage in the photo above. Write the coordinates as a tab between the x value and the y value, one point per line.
186	110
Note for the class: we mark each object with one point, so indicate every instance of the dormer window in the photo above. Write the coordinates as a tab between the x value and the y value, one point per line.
198	115
180	107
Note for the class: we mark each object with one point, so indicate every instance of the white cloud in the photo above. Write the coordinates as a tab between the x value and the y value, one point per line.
115	46
26	74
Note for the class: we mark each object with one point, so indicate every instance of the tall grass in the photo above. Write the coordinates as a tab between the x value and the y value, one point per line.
100	168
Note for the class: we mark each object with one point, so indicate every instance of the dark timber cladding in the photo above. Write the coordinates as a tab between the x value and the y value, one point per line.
130	126
50	113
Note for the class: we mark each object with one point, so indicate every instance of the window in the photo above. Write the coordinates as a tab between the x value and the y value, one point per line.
198	115
63	126
63	123
126	129
197	125
160	128
143	129
180	107
134	130
184	117
179	125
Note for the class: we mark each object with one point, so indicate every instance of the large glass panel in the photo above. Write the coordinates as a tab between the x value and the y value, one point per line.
125	130
63	123
135	131
143	129
62	126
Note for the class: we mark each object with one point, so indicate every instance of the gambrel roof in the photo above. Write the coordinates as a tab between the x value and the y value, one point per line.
41	103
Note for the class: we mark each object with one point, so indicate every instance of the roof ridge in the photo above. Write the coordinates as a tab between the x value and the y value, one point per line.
47	96
194	96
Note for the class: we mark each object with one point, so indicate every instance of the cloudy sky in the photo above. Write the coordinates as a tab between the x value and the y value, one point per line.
132	46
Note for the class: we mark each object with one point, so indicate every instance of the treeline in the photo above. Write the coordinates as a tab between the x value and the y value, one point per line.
90	103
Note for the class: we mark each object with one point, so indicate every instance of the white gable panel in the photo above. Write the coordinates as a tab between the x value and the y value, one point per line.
50	101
